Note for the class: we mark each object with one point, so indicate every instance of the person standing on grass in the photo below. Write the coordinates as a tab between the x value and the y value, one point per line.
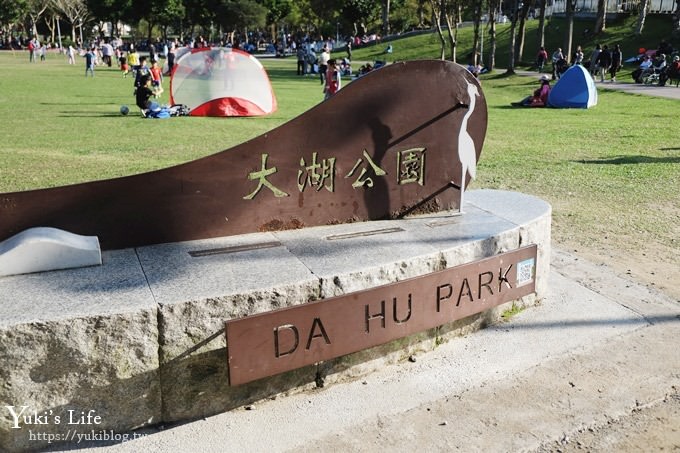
123	63
301	62
90	60
333	81
133	58
323	63
541	58
156	79
142	70
171	57
71	54
31	50
556	56
617	59
593	60
604	61
578	56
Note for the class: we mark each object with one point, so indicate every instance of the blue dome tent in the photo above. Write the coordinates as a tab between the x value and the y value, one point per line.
575	89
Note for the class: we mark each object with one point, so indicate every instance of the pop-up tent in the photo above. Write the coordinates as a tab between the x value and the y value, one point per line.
575	89
221	82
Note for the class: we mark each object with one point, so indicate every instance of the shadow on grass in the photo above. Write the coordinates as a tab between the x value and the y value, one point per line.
624	160
92	115
81	103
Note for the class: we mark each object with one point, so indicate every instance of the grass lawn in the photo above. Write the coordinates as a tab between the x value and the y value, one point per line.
611	173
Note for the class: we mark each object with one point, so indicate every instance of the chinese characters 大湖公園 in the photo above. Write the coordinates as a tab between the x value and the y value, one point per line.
320	173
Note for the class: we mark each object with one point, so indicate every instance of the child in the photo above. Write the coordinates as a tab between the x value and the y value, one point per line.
332	79
123	64
141	71
157	79
144	93
90	60
133	59
71	54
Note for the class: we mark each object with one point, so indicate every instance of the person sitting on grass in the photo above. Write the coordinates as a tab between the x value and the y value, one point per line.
540	96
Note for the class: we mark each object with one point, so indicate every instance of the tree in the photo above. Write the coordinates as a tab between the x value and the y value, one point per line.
34	10
385	17
676	19
513	37
277	10
198	14
437	7
601	18
494	6
477	8
541	24
234	15
359	13
169	13
521	33
113	11
452	15
76	12
12	12
644	6
566	48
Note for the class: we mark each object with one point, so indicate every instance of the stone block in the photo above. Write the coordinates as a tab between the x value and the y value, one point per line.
225	278
79	340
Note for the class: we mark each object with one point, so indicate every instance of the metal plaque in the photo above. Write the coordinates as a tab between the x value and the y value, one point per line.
270	343
400	140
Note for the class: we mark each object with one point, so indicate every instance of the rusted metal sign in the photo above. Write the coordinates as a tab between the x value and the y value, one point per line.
270	343
400	139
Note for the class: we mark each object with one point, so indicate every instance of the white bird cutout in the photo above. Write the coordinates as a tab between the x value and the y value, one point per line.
466	146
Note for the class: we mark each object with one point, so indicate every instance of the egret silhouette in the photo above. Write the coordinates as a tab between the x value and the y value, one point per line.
466	146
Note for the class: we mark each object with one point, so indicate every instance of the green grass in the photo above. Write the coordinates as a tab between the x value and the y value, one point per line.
508	314
619	31
61	128
611	173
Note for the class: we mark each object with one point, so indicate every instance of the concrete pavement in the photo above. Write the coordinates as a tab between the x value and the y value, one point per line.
597	349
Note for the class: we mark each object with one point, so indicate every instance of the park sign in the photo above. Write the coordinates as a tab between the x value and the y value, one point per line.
282	340
403	139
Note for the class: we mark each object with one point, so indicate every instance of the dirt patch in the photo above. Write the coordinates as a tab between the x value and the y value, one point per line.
654	427
650	264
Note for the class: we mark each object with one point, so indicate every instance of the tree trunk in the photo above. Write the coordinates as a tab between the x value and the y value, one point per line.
386	17
476	41
541	24
452	21
522	29
566	48
493	8
601	19
644	5
421	14
676	19
436	18
513	37
49	21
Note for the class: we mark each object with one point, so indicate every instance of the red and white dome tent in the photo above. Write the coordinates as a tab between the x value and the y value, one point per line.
221	82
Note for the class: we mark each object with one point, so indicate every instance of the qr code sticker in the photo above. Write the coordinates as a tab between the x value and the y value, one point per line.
525	271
